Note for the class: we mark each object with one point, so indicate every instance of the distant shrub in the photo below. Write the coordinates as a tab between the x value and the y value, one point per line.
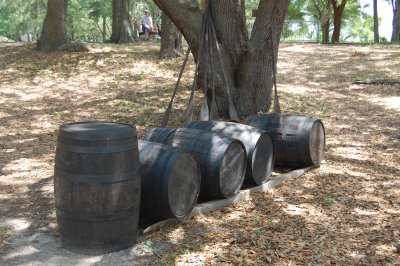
5	39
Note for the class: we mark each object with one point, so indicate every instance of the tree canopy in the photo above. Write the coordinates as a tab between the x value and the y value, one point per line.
91	20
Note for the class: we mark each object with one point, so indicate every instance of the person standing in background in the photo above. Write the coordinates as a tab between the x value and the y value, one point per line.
147	24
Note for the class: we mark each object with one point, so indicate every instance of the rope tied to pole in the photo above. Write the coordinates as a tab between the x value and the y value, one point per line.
277	106
205	57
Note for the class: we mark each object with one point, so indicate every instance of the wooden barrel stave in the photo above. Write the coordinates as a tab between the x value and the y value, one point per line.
97	186
299	140
258	143
210	150
170	181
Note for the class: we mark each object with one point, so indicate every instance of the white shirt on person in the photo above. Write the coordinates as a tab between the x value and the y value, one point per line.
147	20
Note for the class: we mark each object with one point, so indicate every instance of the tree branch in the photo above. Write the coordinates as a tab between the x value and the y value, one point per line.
316	6
187	17
269	13
254	78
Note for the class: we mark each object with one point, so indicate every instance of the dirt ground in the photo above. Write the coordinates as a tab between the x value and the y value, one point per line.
347	212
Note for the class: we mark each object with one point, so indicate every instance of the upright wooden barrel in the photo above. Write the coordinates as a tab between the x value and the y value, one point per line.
222	159
299	140
170	181
258	143
97	186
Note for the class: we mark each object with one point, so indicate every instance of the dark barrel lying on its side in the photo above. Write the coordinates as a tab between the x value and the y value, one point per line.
97	186
160	134
170	181
258	143
299	140
222	159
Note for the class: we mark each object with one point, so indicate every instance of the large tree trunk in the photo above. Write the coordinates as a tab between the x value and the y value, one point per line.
54	32
121	25
325	32
376	22
396	21
247	63
337	19
171	41
255	78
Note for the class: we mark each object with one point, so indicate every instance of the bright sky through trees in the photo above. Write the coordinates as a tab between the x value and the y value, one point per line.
385	12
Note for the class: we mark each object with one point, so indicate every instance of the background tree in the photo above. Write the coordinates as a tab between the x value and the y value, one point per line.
321	10
122	30
376	21
296	10
171	41
22	17
90	20
396	21
248	62
338	9
54	32
100	10
358	25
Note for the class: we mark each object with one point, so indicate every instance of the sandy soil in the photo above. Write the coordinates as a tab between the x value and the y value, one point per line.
347	212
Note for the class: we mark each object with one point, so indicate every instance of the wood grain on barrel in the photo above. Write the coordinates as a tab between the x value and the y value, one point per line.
97	186
258	143
299	140
170	181
219	178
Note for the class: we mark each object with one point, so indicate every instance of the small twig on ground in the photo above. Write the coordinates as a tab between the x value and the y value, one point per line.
155	253
378	81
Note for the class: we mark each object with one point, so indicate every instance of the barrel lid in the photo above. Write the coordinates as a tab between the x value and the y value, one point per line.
97	130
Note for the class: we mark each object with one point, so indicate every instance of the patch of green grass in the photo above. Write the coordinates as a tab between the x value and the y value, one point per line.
146	247
276	225
328	202
389	259
218	259
296	223
257	231
4	231
198	245
160	227
52	208
186	249
357	78
137	77
149	244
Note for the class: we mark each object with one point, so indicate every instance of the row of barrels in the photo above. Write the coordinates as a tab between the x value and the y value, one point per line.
105	177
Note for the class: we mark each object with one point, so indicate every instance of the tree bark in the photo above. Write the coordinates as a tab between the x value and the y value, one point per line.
121	25
104	30
72	29
396	22
54	32
325	32
171	41
323	10
376	22
247	63
337	19
255	78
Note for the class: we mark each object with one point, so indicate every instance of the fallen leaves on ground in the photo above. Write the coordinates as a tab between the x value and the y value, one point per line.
347	212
